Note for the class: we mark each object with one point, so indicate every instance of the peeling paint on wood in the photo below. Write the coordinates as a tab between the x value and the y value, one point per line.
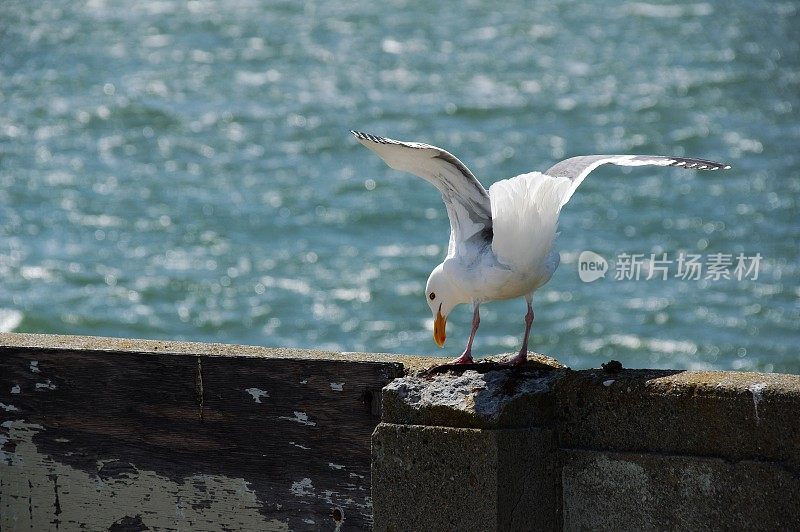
40	493
257	394
300	417
123	441
45	385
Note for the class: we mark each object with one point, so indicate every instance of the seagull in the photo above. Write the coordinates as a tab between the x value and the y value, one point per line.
501	240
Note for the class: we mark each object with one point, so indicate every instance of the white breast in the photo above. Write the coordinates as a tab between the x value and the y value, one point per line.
488	280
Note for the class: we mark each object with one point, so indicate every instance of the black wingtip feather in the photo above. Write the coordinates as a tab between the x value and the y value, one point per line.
698	164
361	135
373	138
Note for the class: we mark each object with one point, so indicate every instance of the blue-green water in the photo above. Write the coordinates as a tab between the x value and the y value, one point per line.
174	169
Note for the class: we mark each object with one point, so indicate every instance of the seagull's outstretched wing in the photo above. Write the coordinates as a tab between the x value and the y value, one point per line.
577	168
467	202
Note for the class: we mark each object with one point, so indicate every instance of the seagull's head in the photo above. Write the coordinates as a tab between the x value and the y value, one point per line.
441	295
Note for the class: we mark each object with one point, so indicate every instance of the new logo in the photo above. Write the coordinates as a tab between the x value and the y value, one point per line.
591	266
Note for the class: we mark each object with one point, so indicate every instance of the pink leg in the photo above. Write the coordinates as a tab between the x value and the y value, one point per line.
466	357
522	356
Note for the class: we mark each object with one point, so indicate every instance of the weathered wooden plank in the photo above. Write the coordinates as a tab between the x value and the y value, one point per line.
134	439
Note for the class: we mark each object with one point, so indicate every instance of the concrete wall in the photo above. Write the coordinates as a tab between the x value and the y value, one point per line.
545	448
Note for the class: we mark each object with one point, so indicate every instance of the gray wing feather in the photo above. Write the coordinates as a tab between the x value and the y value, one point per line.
467	202
577	168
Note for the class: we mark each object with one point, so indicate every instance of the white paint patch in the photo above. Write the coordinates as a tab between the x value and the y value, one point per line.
309	521
15	389
337	386
335	466
303	488
34	366
298	445
299	417
608	383
756	390
97	503
9	408
257	394
45	385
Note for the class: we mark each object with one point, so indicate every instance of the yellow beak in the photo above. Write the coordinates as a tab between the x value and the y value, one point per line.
439	325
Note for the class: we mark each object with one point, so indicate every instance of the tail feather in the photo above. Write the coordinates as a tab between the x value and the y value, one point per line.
525	213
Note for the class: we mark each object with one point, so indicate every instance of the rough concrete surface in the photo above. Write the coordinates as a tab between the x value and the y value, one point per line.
726	414
641	449
630	491
477	396
444	478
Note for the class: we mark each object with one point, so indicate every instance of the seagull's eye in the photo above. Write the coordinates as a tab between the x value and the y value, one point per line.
432	296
